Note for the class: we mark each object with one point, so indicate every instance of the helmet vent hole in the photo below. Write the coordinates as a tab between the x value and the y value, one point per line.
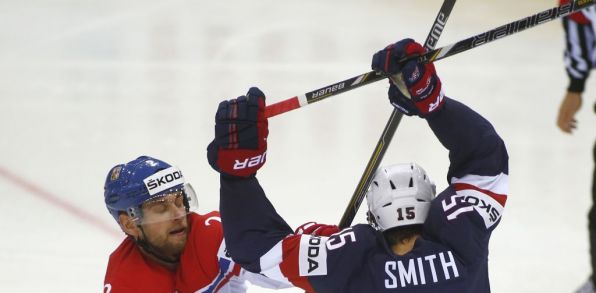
392	185
411	182
387	204
376	183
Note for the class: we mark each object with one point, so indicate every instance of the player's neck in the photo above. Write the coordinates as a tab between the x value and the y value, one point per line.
168	265
404	246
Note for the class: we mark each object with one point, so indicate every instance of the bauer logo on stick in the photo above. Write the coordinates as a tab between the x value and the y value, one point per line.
328	90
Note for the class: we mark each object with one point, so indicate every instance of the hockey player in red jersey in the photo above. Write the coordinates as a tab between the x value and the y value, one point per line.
415	242
169	248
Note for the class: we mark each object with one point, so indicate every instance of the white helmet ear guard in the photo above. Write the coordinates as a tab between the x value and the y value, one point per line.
399	195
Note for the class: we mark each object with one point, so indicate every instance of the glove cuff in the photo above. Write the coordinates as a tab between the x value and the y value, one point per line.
433	102
242	163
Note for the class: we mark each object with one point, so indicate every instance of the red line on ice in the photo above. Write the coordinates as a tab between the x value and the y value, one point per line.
59	203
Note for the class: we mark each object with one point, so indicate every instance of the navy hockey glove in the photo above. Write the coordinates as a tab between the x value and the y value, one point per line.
241	130
415	88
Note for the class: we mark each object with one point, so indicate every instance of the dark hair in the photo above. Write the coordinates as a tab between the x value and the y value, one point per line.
400	234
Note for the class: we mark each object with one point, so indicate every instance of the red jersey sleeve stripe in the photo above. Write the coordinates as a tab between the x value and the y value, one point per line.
235	272
500	198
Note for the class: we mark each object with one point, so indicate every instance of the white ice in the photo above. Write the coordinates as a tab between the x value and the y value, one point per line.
85	85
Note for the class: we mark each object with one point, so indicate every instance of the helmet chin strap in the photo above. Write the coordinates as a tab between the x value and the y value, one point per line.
150	248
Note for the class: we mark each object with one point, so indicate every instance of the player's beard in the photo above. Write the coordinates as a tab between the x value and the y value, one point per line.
170	243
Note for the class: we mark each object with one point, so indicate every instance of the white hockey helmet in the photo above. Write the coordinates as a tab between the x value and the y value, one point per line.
399	195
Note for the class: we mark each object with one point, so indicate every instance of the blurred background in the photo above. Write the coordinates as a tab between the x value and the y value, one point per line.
85	85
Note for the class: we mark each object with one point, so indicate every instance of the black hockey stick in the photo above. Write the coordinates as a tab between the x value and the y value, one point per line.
505	30
391	126
434	55
322	93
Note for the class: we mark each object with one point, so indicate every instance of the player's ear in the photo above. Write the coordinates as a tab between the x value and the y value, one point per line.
128	225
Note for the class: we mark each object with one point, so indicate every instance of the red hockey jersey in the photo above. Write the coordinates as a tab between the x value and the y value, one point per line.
204	266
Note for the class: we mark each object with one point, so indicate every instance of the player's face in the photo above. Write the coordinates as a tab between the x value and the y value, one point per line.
167	227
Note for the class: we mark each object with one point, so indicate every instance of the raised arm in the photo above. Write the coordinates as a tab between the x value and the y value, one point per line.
252	227
237	152
256	236
463	215
475	148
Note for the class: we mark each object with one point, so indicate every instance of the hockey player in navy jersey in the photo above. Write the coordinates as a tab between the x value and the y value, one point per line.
414	242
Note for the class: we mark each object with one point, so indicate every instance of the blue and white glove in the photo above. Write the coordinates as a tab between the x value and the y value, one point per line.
415	88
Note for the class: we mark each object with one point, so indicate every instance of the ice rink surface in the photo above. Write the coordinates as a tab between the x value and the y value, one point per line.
85	85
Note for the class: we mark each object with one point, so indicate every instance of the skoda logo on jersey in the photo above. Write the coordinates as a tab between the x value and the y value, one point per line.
312	259
163	180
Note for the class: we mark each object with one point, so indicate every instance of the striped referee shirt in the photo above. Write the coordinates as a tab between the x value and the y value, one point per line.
580	47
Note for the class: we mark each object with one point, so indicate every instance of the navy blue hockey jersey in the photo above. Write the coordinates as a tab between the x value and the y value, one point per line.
450	257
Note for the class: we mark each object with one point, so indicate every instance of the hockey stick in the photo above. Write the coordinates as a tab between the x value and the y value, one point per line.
322	93
505	30
391	126
434	55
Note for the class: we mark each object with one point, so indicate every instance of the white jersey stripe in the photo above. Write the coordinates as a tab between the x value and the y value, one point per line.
497	184
275	273
272	258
